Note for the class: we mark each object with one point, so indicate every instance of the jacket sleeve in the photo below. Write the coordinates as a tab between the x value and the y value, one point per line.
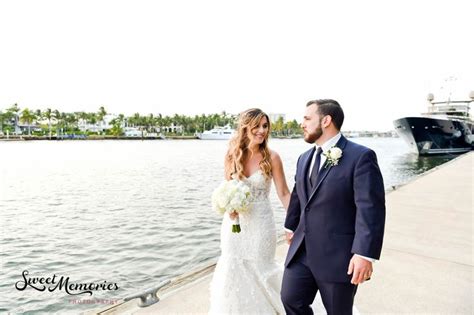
294	209
369	197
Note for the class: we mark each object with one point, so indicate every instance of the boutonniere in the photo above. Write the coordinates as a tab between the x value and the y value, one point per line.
332	156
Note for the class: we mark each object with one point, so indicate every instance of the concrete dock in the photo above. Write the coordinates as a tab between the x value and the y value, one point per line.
427	260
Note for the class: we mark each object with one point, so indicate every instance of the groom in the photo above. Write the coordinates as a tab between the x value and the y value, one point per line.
336	216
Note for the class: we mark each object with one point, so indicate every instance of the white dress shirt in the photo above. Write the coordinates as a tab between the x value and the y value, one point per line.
325	146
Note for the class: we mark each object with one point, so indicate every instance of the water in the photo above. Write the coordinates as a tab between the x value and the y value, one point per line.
126	212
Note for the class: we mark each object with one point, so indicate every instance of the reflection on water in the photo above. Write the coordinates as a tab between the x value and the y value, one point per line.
130	212
415	164
410	164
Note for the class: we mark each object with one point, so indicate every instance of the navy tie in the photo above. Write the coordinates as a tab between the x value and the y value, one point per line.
315	170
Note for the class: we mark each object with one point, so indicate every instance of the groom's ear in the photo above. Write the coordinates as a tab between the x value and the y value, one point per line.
326	122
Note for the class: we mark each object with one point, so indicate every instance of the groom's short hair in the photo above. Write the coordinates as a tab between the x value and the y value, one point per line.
331	108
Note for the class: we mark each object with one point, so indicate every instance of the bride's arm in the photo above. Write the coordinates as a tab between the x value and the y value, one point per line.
226	174
279	179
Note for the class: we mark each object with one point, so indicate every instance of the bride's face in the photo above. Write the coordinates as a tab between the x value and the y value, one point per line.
258	134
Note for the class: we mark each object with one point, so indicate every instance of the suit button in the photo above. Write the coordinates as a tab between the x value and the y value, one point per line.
306	209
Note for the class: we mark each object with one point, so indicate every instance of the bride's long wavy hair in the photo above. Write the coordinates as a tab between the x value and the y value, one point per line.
238	152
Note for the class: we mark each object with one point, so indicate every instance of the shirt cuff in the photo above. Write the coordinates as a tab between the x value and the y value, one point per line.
372	260
288	230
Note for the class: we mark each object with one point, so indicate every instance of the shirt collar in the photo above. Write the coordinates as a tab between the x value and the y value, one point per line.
330	143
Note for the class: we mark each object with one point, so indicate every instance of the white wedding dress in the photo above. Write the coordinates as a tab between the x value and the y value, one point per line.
247	279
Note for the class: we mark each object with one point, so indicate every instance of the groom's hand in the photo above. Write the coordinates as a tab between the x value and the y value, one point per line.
289	236
360	269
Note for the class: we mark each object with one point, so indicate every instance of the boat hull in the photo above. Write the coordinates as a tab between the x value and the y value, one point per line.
431	136
217	134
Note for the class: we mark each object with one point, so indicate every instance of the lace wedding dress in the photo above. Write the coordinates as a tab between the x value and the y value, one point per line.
247	279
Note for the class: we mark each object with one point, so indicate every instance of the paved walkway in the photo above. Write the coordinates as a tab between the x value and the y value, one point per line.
426	265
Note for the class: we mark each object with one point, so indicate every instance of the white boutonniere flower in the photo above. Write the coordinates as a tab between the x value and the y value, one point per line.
332	156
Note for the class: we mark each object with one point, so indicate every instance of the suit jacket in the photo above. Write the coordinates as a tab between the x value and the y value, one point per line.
343	214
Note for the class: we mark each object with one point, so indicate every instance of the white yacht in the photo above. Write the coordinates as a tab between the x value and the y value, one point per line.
446	128
218	133
132	132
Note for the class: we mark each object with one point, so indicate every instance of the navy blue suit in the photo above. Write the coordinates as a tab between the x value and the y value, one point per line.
341	215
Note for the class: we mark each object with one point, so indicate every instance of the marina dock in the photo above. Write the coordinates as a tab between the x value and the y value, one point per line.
427	259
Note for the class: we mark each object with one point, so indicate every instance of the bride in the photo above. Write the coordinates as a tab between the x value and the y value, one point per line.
247	280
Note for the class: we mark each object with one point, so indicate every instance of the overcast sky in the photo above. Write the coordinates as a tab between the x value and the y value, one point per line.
379	59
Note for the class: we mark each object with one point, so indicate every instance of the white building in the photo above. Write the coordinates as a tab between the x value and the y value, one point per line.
173	128
99	126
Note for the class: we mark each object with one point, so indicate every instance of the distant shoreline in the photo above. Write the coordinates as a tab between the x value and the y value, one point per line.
96	138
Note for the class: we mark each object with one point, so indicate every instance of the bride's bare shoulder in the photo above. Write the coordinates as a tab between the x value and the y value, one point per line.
274	156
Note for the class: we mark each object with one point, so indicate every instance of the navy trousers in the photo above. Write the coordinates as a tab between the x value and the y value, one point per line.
299	289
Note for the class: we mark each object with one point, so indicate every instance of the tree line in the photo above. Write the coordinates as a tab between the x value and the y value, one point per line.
50	120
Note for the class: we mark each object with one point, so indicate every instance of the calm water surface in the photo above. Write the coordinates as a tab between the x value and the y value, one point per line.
127	212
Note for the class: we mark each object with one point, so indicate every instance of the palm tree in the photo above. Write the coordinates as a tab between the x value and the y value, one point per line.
38	114
159	121
83	117
64	122
294	127
27	116
150	121
71	120
48	114
8	118
91	118
57	115
135	120
14	108
12	114
278	126
201	122
100	116
166	121
179	120
2	119
117	125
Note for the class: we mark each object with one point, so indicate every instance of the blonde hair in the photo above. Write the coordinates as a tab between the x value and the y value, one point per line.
239	152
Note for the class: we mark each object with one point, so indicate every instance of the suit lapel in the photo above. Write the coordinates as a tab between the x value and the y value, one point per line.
323	173
304	172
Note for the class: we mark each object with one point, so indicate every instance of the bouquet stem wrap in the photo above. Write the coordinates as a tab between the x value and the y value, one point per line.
236	225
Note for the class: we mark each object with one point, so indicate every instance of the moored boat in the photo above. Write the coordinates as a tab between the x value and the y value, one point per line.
446	128
217	133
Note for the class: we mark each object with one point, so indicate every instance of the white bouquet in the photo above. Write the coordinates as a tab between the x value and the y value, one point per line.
231	196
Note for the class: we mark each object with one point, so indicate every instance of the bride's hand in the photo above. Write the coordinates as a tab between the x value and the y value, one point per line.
289	237
233	215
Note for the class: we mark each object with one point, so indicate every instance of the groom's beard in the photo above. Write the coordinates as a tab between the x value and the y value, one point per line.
312	137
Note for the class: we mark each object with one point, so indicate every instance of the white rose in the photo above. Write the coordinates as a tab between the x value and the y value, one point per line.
335	153
222	201
235	203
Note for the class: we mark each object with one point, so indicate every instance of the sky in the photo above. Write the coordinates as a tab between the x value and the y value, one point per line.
379	59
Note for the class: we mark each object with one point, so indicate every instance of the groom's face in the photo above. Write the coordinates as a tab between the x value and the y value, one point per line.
311	125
